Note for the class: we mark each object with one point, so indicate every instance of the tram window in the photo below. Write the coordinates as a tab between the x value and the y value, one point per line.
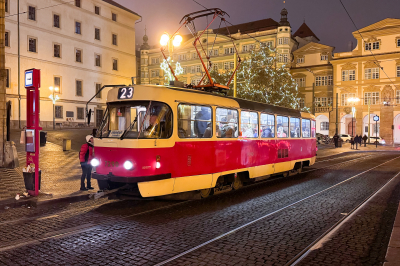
295	127
282	126
249	124
312	128
144	119
194	121
267	126
227	123
305	126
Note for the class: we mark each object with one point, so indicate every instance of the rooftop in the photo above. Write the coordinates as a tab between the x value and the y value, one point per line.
249	27
304	31
111	2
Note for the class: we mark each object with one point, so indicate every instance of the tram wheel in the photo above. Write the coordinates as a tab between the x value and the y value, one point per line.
285	174
237	183
299	170
204	193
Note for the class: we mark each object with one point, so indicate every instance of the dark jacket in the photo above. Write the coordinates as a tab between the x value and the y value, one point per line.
201	126
86	153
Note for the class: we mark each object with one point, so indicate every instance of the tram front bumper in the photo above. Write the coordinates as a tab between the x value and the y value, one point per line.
124	179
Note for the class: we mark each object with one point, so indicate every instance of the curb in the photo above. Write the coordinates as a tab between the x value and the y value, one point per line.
34	202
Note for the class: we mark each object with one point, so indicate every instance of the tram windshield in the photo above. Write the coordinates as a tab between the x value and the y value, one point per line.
137	120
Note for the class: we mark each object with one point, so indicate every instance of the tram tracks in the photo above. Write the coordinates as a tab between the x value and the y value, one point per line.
93	225
334	228
83	209
302	253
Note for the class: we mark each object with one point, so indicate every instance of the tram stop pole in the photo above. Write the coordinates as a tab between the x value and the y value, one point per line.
32	85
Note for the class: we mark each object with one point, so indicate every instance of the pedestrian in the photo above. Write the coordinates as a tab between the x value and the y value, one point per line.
336	140
352	143
356	141
85	156
365	140
360	140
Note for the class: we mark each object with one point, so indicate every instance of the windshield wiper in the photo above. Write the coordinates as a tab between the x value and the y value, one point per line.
129	128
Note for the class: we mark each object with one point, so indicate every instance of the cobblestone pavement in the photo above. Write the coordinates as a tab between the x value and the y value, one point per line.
61	170
129	233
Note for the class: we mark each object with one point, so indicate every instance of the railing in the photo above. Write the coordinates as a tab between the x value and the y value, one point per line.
323	109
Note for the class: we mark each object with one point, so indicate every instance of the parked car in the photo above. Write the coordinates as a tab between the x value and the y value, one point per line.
320	137
380	140
345	137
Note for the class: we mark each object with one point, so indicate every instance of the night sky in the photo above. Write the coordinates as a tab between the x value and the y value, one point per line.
326	18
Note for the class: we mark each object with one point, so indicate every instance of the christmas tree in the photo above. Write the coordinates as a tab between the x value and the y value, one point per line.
259	78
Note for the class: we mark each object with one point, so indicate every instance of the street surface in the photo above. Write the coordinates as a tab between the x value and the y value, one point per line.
273	222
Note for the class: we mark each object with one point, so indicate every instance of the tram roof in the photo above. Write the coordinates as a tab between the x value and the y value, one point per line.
251	105
243	104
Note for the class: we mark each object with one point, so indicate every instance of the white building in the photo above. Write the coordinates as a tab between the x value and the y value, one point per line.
79	46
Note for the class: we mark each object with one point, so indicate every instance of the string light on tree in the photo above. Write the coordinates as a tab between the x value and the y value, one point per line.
167	71
259	80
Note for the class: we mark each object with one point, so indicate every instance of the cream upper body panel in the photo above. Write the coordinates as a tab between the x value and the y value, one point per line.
173	95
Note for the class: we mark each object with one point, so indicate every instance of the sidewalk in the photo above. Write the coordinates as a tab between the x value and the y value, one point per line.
61	170
393	252
325	150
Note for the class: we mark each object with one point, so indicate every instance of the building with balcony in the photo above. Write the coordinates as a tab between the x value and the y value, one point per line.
370	73
246	36
79	46
312	69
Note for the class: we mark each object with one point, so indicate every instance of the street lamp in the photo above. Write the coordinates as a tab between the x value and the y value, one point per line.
170	41
54	98
353	110
354	100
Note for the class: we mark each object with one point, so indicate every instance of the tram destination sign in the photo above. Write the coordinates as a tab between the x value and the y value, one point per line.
125	93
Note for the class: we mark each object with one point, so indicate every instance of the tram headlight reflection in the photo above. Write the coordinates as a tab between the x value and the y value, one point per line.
128	165
95	162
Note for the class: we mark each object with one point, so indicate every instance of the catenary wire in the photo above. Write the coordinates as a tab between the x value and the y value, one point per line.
38	9
376	60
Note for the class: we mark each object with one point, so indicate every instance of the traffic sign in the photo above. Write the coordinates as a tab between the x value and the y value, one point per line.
376	118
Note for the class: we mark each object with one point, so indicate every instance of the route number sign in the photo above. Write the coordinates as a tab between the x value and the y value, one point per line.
125	93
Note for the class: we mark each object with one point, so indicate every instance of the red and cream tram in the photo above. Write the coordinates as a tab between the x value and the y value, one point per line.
166	140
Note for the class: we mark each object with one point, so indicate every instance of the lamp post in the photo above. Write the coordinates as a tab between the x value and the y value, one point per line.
170	41
353	109
54	98
354	100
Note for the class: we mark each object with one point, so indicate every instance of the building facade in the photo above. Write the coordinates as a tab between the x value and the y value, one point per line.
246	36
312	69
371	74
79	46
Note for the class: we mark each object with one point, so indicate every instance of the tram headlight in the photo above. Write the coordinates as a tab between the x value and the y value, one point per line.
158	159
128	165
95	162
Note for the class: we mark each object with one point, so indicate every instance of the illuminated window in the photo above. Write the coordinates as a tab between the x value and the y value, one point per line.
348	75
249	124
371	73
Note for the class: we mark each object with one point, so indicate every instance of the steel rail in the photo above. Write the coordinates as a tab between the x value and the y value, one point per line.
265	216
83	209
88	227
317	242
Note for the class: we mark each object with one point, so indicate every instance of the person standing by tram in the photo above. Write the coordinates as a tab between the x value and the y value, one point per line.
85	156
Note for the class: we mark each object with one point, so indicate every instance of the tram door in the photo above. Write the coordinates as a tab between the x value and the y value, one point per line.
99	117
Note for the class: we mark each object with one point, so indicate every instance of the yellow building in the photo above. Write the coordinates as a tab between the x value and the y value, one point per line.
370	73
312	70
246	37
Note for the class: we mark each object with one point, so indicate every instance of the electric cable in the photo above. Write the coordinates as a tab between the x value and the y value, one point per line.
39	9
362	37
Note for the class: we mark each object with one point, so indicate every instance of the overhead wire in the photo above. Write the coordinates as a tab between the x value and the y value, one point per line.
39	9
362	37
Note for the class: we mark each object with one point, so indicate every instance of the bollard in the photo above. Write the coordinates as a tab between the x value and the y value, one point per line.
66	144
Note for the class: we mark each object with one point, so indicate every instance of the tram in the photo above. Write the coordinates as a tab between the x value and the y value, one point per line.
163	140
